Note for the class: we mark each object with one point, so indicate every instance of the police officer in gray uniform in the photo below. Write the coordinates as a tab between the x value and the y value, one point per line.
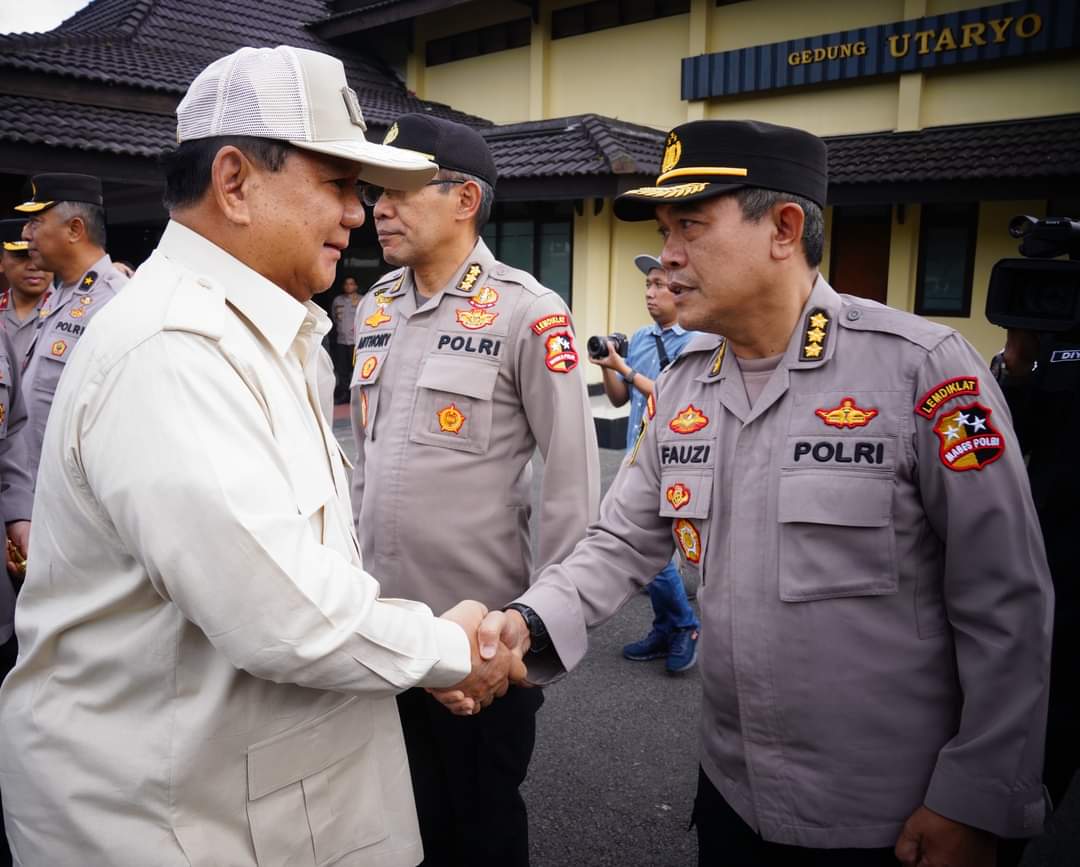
28	288
875	601
65	231
463	368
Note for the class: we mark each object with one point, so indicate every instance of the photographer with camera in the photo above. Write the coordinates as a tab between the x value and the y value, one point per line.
630	369
1037	300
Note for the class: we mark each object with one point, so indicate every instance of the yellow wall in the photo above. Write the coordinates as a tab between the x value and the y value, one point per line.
743	24
838	110
632	73
966	95
495	86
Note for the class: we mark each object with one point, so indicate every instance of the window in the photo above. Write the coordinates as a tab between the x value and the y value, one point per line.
537	237
946	259
602	14
473	43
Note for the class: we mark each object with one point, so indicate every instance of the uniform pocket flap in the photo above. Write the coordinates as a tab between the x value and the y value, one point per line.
308	748
840	499
459	376
685	495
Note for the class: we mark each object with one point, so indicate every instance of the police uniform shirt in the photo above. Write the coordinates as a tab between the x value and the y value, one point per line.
876	606
449	402
62	322
16	486
343	311
206	673
643	356
21	331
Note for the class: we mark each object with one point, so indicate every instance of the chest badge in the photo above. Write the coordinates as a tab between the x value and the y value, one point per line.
378	317
368	367
678	495
86	300
474	318
689	420
77	313
686	535
486	297
561	355
846	415
968	440
450	419
58	348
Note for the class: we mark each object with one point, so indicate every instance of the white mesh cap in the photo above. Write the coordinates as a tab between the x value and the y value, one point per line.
298	96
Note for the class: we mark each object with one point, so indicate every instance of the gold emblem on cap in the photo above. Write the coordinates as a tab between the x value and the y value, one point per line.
677	191
671	153
391	134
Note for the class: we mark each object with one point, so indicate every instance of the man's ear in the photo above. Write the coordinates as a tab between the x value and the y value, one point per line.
788	219
231	178
468	201
76	230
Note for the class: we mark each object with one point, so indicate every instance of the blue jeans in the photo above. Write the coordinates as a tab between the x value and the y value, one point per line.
671	608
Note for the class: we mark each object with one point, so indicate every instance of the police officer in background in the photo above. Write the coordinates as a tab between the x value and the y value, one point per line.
28	286
876	606
464	366
343	312
65	232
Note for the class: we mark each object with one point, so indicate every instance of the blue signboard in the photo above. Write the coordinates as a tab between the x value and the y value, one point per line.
986	34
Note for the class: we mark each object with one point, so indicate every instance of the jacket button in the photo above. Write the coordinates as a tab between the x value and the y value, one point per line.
853	315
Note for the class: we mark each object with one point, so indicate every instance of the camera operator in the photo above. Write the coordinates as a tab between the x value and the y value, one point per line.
674	633
1037	300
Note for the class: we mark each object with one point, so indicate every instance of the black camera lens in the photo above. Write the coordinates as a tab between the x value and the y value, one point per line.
597	346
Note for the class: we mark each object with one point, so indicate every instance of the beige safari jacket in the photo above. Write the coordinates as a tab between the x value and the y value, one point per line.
206	673
876	607
448	404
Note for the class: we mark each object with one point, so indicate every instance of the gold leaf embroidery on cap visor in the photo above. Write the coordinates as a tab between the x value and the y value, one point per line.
677	191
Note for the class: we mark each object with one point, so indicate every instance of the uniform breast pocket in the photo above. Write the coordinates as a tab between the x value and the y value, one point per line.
313	791
685	498
50	366
836	535
454	406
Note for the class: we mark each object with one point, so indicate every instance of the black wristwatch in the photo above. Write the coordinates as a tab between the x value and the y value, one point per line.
538	634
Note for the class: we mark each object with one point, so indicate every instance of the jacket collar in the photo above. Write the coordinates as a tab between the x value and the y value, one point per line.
275	314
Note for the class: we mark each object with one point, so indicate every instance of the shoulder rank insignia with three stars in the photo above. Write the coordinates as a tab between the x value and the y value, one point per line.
817	329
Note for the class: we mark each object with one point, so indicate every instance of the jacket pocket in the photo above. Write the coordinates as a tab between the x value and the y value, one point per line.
313	791
454	406
836	535
685	498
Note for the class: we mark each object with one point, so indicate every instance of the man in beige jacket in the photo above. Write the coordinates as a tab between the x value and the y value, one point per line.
207	674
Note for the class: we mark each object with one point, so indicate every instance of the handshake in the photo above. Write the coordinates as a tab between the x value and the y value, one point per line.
499	640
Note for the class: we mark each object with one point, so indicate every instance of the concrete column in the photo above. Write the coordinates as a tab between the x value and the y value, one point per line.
593	243
415	64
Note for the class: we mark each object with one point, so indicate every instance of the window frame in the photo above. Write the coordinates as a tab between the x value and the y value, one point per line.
968	219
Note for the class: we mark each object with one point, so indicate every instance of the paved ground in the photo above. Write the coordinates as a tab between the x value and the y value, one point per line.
613	777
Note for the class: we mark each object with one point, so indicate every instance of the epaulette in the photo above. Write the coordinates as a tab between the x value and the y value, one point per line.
860	314
195	304
390	277
506	274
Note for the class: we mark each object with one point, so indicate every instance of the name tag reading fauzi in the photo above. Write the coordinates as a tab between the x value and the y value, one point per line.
684	454
477	345
840	453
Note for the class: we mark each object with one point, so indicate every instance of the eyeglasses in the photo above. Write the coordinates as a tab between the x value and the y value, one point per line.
371	193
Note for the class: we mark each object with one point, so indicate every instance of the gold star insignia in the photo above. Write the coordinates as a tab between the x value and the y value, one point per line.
819	320
812	350
816	335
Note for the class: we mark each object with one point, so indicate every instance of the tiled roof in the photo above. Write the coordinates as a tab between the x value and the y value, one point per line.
29	120
581	145
1042	147
161	45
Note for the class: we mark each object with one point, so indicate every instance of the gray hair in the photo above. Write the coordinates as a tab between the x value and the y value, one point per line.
93	217
487	194
755	203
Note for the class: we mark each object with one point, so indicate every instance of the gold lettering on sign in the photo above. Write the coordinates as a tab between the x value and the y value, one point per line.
1035	22
923	38
999	26
945	41
894	41
973	34
829	52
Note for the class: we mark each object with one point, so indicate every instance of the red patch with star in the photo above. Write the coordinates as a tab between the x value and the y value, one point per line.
561	355
689	420
678	495
846	415
689	540
968	440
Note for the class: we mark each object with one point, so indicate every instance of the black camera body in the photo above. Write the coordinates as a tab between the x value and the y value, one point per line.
597	345
1041	294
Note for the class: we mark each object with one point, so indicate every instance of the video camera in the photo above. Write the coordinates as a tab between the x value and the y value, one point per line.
1041	294
597	345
